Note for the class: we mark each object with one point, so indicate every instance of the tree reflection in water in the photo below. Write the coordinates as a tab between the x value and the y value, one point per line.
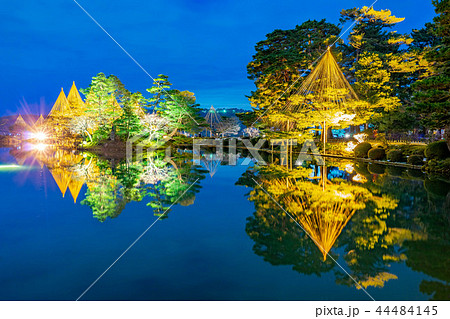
371	215
374	219
110	186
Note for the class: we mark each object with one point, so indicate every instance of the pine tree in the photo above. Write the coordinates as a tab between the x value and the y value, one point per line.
159	91
432	96
178	108
99	99
281	58
128	124
380	66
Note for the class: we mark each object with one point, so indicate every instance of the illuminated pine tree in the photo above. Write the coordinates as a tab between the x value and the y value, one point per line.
128	124
178	108
99	99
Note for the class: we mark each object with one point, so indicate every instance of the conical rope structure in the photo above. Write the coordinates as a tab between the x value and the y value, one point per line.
61	106
324	98
326	83
212	118
74	98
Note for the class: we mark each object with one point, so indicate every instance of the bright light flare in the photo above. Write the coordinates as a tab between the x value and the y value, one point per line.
40	136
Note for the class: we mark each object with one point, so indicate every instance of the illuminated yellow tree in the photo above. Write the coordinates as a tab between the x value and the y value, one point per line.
325	99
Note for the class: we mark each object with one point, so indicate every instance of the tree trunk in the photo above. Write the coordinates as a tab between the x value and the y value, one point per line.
173	133
112	135
329	133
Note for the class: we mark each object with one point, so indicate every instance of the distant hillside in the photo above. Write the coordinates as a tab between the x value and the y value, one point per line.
224	112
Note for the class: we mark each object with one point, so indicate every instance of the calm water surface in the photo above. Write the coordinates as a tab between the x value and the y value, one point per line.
224	238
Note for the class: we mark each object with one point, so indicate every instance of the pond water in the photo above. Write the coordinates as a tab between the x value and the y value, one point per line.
223	232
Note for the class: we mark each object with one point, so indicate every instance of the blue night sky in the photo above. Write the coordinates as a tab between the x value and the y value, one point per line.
204	46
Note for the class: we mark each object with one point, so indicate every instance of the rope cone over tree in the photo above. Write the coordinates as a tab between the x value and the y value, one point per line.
325	98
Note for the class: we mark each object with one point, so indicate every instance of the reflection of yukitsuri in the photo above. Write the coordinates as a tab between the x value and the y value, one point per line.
323	212
211	162
286	152
323	208
60	164
21	155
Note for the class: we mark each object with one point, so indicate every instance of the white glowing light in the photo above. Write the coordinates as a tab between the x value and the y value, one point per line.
359	178
342	117
360	137
40	136
350	147
343	195
347	135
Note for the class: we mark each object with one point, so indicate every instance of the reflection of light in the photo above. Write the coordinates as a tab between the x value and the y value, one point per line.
39	147
9	167
347	135
13	167
359	178
349	168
